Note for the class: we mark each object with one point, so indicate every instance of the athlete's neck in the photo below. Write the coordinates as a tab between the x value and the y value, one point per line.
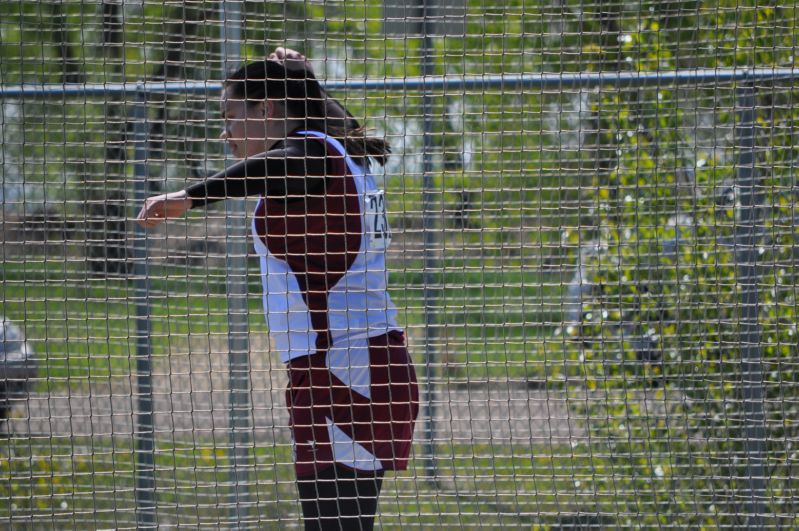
277	131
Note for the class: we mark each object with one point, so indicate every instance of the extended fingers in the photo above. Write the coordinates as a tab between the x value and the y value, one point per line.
281	54
148	217
277	55
293	54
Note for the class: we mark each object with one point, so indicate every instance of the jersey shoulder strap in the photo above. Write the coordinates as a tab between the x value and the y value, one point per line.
338	146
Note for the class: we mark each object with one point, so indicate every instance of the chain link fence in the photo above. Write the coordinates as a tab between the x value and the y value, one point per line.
594	258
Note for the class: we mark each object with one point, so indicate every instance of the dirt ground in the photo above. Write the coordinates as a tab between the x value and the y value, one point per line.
190	402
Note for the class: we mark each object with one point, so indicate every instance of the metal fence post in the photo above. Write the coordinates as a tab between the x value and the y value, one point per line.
431	265
237	309
748	233
144	465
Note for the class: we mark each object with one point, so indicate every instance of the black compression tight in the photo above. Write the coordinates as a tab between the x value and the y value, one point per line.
339	499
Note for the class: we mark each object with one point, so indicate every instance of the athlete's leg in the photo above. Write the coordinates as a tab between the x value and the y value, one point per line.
339	499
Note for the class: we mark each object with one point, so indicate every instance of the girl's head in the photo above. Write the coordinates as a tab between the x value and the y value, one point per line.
264	101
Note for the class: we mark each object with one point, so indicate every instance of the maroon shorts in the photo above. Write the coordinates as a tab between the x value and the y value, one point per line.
353	405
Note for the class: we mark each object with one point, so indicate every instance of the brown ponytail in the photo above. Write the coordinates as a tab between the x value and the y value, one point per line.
359	145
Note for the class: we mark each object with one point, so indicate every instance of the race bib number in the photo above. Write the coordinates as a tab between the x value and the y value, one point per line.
377	228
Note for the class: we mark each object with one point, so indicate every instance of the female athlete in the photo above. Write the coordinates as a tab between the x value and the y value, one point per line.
321	234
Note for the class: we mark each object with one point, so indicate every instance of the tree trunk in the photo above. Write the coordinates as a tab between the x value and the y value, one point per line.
71	71
188	21
106	227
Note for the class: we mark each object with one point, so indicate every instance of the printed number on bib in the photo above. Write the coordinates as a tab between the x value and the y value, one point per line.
377	228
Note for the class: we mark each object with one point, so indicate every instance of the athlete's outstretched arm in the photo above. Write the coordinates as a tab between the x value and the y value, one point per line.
297	169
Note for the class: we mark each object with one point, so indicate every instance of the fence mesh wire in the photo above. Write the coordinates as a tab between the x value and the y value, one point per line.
597	280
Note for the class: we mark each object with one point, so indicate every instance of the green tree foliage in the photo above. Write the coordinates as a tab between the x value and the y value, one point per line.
662	326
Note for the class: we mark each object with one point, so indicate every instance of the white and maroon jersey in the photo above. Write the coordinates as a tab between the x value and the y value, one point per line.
323	261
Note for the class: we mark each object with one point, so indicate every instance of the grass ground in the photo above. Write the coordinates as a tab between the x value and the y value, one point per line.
494	324
90	483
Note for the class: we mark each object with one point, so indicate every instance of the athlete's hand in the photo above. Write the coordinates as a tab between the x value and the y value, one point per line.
287	55
159	208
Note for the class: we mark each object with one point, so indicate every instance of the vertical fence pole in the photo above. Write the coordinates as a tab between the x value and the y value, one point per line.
144	468
237	319
747	235
431	265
